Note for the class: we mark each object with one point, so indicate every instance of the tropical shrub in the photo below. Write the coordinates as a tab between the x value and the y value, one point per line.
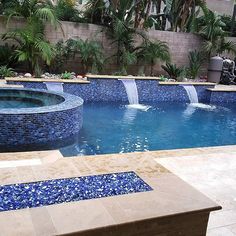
230	25
6	72
173	71
62	52
122	33
195	62
90	53
211	28
33	47
8	55
150	52
66	75
66	11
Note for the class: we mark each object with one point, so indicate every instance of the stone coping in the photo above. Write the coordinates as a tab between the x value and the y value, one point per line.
164	201
223	88
70	102
187	83
122	77
76	81
11	86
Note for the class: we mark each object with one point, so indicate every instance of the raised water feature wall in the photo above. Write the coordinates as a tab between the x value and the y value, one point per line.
148	90
114	90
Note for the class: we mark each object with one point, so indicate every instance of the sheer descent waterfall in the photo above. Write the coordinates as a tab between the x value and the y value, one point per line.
132	94
194	103
131	90
192	93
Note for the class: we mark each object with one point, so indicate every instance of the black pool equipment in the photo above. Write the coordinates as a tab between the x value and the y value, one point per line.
228	72
222	70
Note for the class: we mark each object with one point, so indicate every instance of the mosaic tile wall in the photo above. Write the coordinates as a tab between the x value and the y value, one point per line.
43	193
25	130
223	97
41	127
114	90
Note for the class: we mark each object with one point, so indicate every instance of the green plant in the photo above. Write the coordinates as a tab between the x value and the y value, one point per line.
182	14
8	55
67	11
123	34
163	78
97	12
6	72
195	61
62	52
33	47
150	52
173	71
211	27
230	25
66	75
90	52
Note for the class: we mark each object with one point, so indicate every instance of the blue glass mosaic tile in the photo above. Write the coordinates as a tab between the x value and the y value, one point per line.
43	193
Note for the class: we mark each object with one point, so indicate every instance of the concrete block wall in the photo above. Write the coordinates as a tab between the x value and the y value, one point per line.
180	44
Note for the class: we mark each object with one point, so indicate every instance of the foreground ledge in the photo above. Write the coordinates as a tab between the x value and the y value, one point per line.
187	83
17	79
173	207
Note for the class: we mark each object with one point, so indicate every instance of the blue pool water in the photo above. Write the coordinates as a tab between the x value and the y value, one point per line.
112	128
19	102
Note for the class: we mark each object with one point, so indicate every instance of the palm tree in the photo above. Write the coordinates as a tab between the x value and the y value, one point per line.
122	32
211	29
33	47
90	52
150	52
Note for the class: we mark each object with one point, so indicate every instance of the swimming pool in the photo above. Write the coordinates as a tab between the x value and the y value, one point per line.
113	128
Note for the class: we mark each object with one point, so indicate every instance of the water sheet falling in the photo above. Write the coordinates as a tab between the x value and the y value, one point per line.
54	86
192	93
194	103
132	94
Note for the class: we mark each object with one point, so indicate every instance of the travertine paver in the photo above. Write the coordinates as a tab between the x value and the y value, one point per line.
214	174
141	211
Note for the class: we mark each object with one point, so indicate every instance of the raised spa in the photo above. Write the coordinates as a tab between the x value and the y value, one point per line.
32	118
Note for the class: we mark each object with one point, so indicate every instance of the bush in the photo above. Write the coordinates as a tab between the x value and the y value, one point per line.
8	55
6	72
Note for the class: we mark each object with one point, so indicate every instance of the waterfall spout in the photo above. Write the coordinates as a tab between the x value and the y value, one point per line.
131	90
192	93
132	94
194	103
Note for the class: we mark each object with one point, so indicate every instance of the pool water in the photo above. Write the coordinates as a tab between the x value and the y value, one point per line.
114	128
19	102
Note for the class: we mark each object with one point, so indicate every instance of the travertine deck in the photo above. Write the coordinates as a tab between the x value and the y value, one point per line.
165	200
213	172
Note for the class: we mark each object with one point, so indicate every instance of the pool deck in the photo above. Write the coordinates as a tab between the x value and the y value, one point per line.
208	170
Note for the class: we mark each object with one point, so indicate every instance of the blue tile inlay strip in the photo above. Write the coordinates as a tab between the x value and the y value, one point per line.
43	193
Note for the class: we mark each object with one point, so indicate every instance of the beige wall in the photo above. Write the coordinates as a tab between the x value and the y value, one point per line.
221	6
180	44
